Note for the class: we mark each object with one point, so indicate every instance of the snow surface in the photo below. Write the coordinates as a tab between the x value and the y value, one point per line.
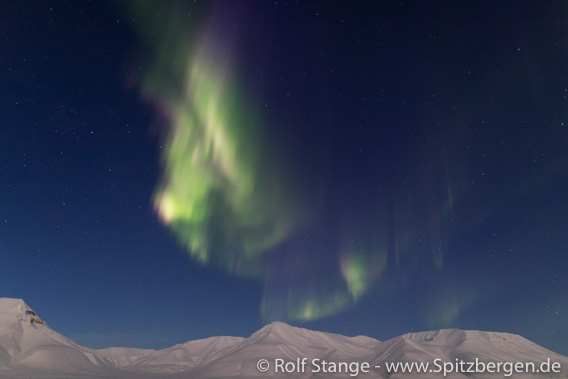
29	348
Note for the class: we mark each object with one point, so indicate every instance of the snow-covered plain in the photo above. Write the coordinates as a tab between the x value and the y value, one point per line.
29	348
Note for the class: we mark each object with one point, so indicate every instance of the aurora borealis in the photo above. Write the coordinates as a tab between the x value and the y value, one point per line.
216	194
177	170
224	196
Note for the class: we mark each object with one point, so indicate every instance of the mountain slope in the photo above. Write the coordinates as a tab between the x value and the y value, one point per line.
27	345
30	348
454	345
181	357
279	340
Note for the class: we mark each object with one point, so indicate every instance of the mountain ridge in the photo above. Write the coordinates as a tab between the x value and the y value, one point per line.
29	347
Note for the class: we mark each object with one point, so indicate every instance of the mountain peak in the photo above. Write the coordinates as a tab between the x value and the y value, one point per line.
280	330
10	303
279	325
31	350
16	309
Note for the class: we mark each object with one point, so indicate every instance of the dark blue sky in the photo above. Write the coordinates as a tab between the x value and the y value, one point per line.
433	132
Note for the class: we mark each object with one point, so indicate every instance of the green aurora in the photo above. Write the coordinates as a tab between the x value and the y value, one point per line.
222	192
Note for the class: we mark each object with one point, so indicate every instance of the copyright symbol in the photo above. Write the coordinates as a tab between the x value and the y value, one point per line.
263	365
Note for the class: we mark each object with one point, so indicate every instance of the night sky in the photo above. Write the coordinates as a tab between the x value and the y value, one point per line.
178	170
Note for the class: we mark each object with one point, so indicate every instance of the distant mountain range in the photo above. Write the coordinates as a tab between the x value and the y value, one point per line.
29	348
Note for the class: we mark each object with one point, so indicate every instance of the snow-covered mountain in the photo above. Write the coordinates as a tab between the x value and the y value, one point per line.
30	348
